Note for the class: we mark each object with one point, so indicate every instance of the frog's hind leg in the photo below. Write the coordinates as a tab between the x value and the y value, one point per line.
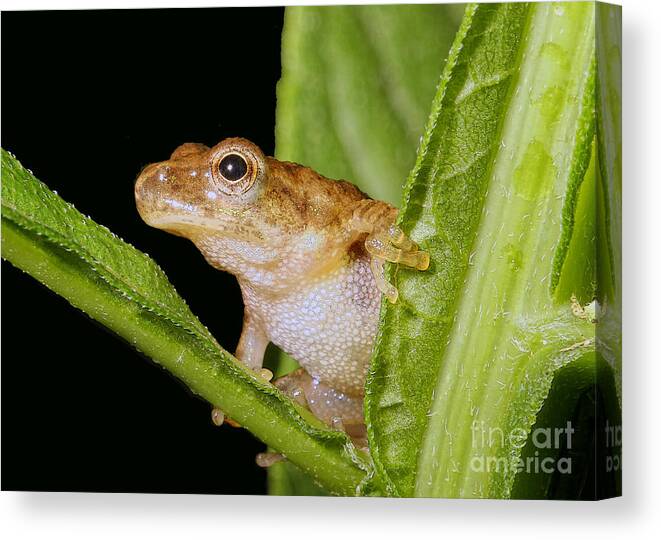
385	242
337	409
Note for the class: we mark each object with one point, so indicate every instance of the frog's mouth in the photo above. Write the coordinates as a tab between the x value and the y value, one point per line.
179	223
193	225
167	214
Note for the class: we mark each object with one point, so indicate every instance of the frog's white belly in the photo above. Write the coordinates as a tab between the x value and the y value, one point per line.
328	325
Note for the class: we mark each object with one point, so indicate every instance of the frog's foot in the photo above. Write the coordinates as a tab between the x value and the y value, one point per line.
386	242
339	410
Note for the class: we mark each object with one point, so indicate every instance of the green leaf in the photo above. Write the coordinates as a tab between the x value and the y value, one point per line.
356	86
126	291
493	196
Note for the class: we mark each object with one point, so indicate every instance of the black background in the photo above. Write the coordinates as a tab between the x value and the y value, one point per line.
88	98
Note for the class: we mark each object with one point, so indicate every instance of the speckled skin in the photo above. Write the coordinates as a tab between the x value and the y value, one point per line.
296	242
328	324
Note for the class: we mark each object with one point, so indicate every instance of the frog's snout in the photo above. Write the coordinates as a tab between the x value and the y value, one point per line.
143	190
171	193
153	188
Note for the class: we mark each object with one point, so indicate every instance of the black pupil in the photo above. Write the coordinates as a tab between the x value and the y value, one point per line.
233	167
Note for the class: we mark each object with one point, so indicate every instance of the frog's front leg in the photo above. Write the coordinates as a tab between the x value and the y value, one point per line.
252	343
385	242
250	351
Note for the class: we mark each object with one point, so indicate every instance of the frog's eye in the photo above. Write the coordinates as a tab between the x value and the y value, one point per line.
237	165
233	167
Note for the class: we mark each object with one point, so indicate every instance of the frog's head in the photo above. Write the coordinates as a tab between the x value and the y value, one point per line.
247	213
201	190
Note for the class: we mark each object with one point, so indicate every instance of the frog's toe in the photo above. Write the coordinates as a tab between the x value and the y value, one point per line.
218	418
266	459
400	240
381	246
378	271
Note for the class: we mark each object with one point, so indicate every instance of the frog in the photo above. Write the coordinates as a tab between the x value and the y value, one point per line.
308	252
